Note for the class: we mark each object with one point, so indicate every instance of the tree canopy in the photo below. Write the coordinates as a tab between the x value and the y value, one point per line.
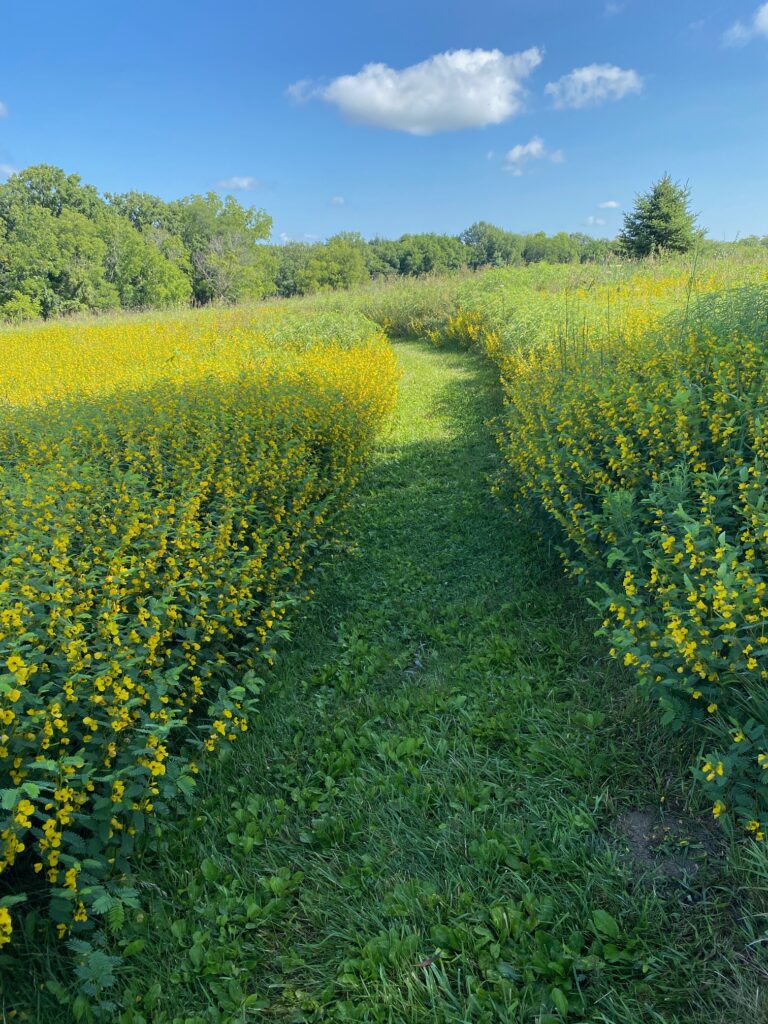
66	248
661	221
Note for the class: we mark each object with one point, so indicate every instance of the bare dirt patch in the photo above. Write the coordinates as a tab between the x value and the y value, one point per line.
671	846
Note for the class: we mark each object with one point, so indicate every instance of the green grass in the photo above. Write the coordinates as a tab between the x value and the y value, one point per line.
425	823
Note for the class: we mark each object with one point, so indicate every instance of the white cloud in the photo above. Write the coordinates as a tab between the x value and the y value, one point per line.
522	153
239	183
338	200
609	204
302	90
447	92
593	84
614	8
3	109
6	170
284	236
595	221
740	34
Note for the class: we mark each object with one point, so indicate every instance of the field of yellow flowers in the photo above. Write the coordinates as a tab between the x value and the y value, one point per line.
166	486
635	418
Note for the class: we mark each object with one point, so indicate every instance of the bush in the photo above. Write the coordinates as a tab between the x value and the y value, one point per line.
646	443
152	544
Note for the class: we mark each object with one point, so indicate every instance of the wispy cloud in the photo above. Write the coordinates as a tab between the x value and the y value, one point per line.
6	170
239	183
593	84
612	9
446	92
523	153
338	200
739	34
3	109
609	204
593	221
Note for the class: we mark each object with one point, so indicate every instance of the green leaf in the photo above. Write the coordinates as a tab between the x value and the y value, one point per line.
116	916
12	901
560	999
152	995
8	798
186	784
103	904
196	955
605	923
58	990
210	870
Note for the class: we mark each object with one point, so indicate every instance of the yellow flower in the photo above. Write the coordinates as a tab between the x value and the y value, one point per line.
6	926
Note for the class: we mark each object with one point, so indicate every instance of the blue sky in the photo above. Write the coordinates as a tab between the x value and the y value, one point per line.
529	113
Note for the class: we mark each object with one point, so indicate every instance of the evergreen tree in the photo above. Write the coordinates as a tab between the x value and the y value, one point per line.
661	221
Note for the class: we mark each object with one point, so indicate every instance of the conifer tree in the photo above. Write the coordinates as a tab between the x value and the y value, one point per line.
661	221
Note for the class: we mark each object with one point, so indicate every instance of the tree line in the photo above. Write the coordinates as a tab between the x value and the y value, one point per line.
65	248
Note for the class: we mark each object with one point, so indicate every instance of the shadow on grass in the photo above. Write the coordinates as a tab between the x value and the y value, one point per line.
439	753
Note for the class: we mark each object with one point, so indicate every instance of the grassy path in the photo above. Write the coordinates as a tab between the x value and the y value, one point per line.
422	827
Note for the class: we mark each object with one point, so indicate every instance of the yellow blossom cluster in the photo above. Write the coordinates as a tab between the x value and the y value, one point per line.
635	417
164	487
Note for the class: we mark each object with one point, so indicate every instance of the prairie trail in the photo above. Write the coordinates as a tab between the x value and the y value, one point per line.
419	826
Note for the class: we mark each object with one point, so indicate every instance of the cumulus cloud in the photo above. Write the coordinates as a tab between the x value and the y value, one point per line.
522	153
740	34
3	109
338	200
593	84
238	183
609	204
447	92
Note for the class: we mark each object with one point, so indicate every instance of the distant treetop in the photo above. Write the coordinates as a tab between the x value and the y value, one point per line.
661	221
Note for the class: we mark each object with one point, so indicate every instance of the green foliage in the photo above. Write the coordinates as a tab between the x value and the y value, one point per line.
340	263
66	249
491	246
661	221
142	274
415	255
152	543
63	250
425	824
222	239
640	431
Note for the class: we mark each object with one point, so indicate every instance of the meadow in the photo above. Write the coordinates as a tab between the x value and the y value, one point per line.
302	718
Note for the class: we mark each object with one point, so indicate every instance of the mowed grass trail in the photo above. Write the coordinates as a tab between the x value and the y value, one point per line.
430	820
